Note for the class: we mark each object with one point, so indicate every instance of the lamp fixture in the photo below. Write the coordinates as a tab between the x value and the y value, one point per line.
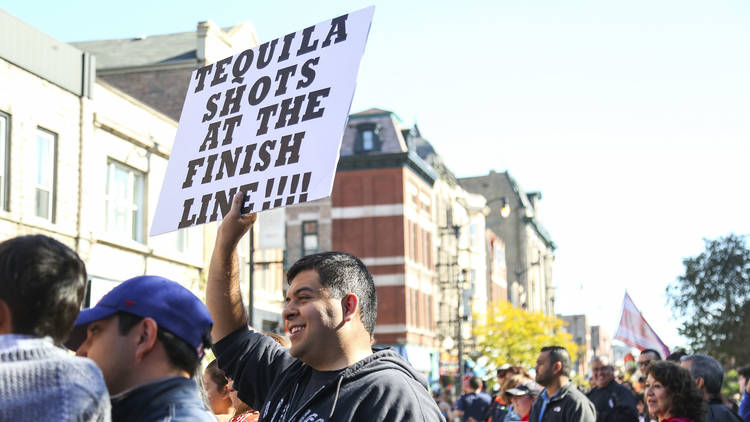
504	208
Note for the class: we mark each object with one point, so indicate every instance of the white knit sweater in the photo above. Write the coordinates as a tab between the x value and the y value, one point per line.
41	382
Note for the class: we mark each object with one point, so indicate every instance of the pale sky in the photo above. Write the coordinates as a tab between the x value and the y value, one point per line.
632	118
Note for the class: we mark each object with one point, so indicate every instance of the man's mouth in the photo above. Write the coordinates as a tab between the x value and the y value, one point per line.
296	329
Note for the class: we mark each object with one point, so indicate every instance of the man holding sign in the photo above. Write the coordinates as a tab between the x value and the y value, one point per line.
330	372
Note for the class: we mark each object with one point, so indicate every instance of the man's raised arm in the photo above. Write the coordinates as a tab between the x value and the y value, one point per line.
223	296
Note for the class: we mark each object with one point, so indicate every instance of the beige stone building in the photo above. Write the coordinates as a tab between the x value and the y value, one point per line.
155	70
83	162
529	248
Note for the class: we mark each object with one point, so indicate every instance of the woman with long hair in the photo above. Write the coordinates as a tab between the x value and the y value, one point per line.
671	394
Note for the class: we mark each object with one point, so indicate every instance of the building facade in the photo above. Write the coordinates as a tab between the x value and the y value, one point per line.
601	342
83	162
529	249
155	70
578	327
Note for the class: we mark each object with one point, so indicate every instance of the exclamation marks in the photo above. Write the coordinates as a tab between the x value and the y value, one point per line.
305	186
281	188
269	191
282	185
295	183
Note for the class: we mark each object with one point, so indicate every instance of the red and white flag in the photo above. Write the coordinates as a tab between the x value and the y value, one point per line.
635	331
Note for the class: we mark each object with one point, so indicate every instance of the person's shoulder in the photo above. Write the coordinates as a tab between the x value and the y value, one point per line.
79	372
383	386
573	393
592	392
619	387
176	396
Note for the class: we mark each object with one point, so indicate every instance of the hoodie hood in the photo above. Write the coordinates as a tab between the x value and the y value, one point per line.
384	359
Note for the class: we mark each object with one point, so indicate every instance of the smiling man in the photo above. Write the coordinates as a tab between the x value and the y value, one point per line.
607	393
330	372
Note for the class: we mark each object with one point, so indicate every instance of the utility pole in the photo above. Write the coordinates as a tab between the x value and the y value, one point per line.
251	263
459	319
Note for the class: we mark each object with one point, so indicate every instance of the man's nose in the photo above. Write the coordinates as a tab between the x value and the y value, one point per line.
82	350
288	311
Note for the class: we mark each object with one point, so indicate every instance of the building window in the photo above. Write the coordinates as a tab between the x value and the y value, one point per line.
46	170
125	201
4	160
181	240
367	138
310	238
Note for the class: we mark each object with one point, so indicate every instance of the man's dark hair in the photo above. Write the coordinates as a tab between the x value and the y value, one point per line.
685	399
180	354
559	354
676	355
342	273
706	367
475	383
658	355
745	372
43	282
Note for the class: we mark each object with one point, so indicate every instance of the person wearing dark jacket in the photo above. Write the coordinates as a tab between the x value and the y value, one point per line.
148	335
174	396
560	401
330	372
709	375
608	393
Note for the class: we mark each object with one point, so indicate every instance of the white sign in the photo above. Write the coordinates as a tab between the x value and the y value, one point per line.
267	122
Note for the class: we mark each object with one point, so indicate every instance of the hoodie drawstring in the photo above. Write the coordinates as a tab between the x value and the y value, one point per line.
336	397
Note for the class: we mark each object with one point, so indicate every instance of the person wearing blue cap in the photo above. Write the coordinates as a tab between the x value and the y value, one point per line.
41	289
148	336
330	372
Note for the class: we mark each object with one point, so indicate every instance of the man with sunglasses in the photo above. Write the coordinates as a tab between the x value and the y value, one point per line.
646	356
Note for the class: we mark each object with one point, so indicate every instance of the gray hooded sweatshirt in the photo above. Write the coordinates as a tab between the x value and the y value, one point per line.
381	387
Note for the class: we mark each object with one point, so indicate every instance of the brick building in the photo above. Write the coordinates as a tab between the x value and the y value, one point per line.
402	211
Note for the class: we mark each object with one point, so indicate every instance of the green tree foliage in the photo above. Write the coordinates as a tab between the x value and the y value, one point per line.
514	336
712	299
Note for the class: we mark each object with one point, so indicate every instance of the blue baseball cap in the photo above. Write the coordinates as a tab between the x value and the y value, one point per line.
173	307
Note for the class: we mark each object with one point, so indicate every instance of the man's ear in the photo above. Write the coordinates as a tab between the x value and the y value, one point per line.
6	318
557	367
700	382
349	306
145	331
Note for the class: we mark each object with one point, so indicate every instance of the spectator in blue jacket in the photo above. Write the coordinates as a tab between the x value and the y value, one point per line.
473	405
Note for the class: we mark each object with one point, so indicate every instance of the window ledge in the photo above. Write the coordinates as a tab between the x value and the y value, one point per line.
109	239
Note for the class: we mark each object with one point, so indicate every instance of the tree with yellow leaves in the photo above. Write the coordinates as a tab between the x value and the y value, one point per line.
515	336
